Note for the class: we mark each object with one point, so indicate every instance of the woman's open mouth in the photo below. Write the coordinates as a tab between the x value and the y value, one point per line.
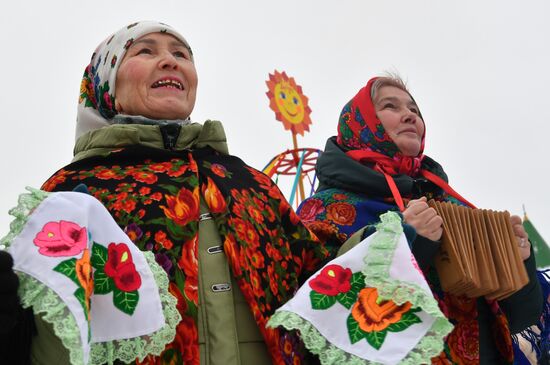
171	83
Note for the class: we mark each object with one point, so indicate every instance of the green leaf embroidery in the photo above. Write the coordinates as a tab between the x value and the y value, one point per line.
180	280
376	338
175	230
99	256
103	284
171	188
192	309
357	282
407	320
171	356
321	301
126	301
160	221
68	268
355	332
347	299
80	294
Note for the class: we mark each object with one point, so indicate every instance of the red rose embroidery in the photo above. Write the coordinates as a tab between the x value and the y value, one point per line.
177	169
120	267
310	209
61	239
159	167
332	280
106	174
463	343
145	177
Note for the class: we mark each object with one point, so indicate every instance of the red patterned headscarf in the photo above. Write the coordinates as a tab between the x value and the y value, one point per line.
363	136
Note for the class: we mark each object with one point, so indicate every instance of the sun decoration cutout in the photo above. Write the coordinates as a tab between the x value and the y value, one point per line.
288	102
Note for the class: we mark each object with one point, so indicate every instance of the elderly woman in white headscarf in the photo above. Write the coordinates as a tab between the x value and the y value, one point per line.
229	242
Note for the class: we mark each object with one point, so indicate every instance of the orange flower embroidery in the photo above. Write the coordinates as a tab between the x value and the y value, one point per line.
84	275
214	197
341	213
374	316
183	208
160	237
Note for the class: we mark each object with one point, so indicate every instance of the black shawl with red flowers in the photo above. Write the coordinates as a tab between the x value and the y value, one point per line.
154	194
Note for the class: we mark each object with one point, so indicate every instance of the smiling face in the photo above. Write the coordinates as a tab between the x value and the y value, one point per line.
156	79
400	117
289	102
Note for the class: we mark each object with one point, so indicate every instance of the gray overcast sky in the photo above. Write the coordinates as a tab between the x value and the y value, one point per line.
479	71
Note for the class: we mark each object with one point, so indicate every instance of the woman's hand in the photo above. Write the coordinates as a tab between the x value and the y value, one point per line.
424	219
521	236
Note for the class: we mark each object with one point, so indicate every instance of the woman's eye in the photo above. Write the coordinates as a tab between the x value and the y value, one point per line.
389	106
144	51
180	54
415	110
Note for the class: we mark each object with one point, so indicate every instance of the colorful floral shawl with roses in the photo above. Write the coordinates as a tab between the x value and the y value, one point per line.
354	190
154	193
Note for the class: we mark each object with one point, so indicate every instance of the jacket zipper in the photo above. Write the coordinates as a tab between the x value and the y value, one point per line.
170	133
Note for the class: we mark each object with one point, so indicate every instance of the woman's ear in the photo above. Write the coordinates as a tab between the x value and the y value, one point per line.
118	107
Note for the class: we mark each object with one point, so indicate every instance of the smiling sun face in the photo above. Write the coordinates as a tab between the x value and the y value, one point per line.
288	102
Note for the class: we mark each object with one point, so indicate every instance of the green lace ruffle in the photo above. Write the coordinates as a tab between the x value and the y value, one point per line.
377	271
377	274
46	302
26	203
130	349
314	341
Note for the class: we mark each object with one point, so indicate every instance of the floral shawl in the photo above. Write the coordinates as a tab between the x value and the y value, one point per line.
341	208
154	194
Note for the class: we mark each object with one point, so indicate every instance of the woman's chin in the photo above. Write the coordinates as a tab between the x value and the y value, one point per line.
167	112
410	149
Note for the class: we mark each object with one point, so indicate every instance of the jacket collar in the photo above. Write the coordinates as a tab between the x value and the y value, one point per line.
104	140
337	170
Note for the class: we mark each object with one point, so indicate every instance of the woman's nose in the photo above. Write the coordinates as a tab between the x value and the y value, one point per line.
409	117
168	60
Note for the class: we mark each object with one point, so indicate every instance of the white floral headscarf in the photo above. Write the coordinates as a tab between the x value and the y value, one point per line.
96	104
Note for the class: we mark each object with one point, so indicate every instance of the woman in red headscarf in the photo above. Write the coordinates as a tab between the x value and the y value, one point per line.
376	164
